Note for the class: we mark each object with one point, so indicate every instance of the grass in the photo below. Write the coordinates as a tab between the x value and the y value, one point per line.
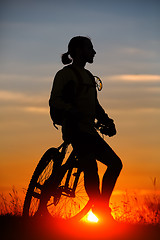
138	209
138	218
11	205
131	209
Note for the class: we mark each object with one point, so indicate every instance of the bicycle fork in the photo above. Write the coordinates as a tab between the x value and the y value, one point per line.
70	191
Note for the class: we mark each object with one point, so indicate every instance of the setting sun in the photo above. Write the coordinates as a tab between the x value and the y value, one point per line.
91	217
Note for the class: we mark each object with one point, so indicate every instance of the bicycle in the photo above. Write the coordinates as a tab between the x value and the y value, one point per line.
61	178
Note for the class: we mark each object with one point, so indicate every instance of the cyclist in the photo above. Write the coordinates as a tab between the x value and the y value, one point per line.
74	99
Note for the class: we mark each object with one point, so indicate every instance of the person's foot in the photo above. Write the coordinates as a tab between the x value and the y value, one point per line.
103	213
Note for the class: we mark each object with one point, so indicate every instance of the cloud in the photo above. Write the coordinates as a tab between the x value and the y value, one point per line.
21	98
128	92
141	52
135	78
11	96
37	110
154	89
24	103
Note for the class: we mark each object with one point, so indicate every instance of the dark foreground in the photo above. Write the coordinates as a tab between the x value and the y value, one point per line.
17	228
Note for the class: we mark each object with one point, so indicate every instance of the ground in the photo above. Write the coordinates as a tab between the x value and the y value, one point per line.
17	228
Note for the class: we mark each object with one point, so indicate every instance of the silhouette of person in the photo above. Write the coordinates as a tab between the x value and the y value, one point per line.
79	104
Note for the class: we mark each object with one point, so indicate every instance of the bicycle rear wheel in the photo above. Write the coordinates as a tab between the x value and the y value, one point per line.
60	203
42	172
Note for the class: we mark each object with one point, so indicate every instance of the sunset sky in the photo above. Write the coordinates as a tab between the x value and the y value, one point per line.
126	37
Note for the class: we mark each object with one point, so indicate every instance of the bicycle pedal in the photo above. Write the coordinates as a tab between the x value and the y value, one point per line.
75	174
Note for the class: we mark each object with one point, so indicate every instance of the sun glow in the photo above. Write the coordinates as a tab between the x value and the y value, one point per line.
91	217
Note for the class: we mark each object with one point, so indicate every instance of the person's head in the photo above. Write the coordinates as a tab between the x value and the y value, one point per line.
79	48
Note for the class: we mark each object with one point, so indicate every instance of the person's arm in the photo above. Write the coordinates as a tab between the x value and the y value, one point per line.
103	118
101	115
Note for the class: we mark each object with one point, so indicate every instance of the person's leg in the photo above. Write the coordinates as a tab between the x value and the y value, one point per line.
106	155
91	177
89	149
83	145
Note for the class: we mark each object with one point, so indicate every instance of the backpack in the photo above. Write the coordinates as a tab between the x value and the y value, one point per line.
58	115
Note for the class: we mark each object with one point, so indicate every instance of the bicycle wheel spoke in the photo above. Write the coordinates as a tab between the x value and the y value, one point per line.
70	206
46	173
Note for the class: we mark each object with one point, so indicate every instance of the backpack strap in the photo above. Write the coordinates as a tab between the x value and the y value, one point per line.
91	76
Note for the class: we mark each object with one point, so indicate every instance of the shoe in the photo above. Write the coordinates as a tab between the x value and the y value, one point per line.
103	213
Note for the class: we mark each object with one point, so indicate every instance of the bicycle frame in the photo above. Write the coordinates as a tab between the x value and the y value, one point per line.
71	162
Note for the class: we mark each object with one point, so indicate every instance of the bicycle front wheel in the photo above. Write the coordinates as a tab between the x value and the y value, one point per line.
67	204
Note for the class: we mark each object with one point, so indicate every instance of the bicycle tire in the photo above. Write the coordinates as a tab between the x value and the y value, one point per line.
67	207
33	190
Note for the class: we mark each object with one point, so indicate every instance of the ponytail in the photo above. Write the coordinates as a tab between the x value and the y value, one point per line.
65	58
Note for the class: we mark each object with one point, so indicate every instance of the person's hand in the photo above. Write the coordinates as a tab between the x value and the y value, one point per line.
107	127
112	130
